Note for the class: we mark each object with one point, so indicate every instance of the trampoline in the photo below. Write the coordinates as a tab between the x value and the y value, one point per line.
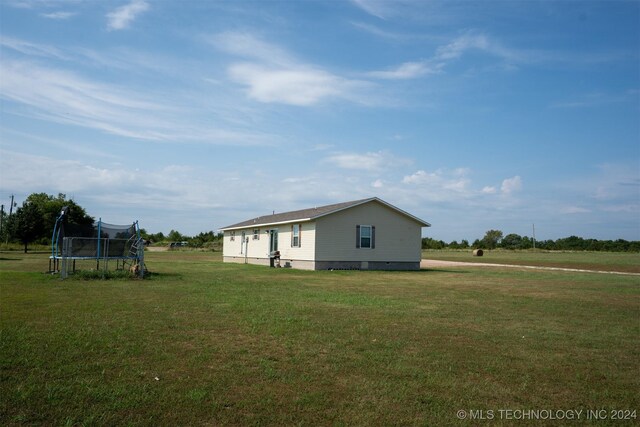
100	242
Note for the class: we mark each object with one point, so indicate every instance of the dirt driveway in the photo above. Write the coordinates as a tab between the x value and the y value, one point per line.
428	263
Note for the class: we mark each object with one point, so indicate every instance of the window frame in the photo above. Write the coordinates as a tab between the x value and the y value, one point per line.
296	233
371	236
362	228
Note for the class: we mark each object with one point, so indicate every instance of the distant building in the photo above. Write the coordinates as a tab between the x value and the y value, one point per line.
368	234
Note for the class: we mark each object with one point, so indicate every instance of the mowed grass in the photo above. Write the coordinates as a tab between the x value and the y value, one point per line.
205	343
628	262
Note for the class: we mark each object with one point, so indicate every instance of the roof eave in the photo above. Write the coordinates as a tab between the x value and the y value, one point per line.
263	224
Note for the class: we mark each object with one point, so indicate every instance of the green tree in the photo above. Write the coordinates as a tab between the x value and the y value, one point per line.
512	241
175	236
157	237
429	243
26	224
50	208
491	239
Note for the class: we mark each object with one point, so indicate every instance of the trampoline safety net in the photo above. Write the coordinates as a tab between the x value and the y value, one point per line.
99	241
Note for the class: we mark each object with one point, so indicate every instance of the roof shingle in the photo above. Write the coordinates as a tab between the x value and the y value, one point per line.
311	213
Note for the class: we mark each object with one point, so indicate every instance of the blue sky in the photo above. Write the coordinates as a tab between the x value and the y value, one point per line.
193	115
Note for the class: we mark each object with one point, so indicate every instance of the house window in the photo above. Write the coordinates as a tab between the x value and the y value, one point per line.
256	234
232	236
365	236
295	235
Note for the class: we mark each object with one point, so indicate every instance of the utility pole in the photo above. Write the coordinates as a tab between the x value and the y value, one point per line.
8	218
1	218
534	236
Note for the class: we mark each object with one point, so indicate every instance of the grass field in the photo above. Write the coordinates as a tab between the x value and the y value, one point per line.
605	261
205	343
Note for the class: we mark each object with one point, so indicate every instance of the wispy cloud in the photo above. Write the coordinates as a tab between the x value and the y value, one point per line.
169	187
470	41
32	49
375	30
444	55
59	15
370	162
598	99
250	46
377	8
65	97
273	75
123	16
570	210
408	70
386	9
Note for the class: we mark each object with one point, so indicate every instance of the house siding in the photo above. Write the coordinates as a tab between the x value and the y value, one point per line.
257	251
307	249
397	238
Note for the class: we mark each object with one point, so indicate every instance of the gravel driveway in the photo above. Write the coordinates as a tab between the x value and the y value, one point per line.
428	263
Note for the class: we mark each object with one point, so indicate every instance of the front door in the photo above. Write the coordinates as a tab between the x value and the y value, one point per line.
273	240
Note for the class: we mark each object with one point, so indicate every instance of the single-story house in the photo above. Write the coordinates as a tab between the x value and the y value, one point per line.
368	234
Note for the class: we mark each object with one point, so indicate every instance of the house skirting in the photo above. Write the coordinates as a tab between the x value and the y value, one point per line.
367	265
329	265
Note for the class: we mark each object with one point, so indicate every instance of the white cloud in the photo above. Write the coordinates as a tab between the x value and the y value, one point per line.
378	183
489	190
421	177
441	184
123	16
287	86
58	15
370	162
408	70
272	75
511	185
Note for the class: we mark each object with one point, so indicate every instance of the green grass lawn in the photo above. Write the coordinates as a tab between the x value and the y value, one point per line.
205	343
606	261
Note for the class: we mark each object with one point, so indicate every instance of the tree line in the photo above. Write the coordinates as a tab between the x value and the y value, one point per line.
33	222
207	239
494	239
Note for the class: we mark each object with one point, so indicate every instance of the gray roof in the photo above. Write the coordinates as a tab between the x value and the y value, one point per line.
313	213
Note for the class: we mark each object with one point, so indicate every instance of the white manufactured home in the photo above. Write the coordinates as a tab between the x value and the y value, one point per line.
368	234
